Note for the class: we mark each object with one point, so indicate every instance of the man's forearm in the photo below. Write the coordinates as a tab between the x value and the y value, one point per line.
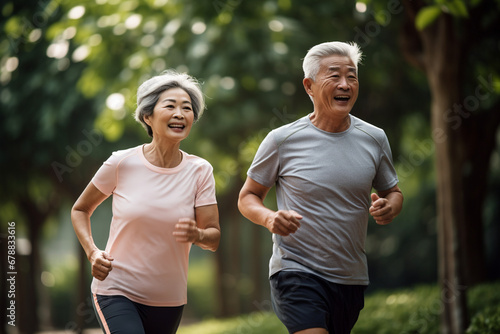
252	208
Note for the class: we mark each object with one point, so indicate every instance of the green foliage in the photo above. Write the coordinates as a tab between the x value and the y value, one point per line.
418	310
484	308
60	282
457	8
486	321
483	295
427	16
201	295
254	323
405	311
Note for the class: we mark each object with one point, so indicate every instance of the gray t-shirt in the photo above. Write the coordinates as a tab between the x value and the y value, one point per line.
327	178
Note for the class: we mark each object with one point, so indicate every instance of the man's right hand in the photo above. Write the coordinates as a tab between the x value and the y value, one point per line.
283	222
101	264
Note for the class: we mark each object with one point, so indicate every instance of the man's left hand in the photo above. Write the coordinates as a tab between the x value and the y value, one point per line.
381	210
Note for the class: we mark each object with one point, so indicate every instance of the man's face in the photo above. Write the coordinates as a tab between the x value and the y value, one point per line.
336	87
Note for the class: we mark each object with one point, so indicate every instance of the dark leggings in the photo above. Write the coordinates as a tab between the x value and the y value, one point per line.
120	315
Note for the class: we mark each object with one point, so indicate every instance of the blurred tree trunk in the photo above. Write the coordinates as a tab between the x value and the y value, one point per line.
477	136
29	271
37	206
478	147
228	257
443	63
464	142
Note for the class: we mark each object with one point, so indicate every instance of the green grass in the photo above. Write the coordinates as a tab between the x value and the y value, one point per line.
405	311
253	323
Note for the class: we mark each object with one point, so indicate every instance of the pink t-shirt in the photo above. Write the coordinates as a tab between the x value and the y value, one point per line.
149	266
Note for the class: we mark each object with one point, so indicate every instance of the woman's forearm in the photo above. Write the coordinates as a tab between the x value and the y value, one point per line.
209	238
81	212
82	227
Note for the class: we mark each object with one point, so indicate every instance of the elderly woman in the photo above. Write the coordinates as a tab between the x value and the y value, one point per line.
163	201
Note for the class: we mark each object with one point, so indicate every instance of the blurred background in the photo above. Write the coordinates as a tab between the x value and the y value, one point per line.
69	75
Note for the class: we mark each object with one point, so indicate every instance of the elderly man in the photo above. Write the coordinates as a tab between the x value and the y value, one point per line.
324	166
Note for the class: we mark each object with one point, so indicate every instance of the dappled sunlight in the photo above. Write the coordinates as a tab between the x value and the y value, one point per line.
397	299
76	12
109	126
198	27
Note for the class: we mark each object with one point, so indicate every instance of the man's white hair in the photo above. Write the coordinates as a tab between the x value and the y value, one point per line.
313	57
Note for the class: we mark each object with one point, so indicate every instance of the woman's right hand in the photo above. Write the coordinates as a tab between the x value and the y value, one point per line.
101	264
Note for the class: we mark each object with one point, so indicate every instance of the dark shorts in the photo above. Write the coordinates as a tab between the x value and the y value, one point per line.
302	300
118	314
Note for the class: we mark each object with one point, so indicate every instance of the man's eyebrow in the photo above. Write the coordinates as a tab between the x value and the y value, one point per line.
337	68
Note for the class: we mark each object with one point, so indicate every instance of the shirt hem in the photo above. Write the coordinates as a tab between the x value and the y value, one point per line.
140	300
329	279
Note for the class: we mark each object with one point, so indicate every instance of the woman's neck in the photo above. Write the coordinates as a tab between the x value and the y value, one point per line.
162	155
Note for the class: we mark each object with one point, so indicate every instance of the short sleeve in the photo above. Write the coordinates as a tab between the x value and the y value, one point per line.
265	165
386	176
105	178
205	194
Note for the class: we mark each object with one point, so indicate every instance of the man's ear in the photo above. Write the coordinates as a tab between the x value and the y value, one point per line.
307	82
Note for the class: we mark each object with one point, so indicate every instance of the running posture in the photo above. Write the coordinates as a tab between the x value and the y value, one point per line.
324	167
163	202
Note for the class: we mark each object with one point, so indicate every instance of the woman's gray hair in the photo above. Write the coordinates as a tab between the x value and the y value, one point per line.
149	92
313	57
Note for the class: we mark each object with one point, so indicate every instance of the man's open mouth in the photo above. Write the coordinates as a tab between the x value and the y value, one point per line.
342	98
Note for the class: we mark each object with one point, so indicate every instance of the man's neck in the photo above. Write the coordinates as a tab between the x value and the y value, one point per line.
330	124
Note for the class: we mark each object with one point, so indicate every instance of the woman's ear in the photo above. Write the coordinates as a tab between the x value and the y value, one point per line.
147	120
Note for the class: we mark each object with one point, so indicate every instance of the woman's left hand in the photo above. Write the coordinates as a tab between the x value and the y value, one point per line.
187	231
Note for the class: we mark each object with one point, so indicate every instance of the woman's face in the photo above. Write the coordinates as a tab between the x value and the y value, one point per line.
172	116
